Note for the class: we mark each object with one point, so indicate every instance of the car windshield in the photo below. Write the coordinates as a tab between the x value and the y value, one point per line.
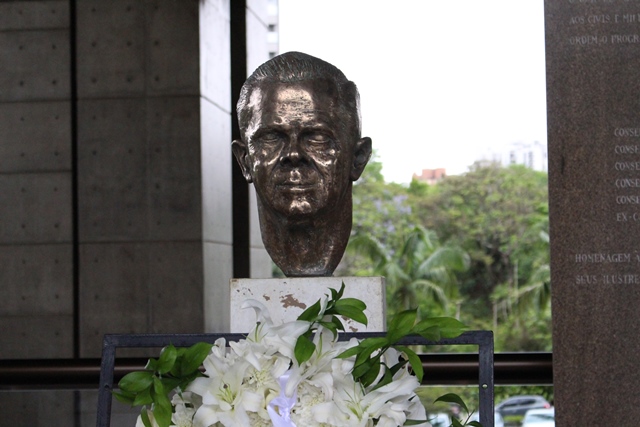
538	417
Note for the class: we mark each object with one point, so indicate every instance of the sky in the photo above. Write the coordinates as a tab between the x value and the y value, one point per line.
442	83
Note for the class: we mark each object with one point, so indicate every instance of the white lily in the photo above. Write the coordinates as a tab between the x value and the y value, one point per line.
266	366
257	382
311	399
219	360
390	403
283	337
262	313
317	370
185	405
225	398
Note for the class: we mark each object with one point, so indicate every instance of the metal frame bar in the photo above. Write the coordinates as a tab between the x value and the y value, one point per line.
532	368
483	339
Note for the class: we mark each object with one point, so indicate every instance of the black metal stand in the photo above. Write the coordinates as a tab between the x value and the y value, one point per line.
483	339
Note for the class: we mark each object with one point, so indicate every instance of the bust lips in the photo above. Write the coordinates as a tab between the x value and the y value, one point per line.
296	180
296	187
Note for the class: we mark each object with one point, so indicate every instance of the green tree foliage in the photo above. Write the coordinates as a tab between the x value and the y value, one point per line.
381	210
419	266
497	215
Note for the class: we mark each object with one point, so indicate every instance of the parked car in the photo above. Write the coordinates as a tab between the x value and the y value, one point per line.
497	419
539	418
519	405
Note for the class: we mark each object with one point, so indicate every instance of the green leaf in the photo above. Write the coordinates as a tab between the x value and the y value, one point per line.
349	352
456	423
136	381
364	354
475	424
185	381
387	378
158	387
124	397
401	324
395	368
370	375
304	349
311	313
167	359
336	295
414	360
162	411
361	370
336	321
351	312
330	326
193	357
452	398
151	365
432	333
353	302
414	422
374	342
449	327
144	415
143	398
169	383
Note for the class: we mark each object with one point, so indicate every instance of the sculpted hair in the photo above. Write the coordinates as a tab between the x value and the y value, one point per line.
292	67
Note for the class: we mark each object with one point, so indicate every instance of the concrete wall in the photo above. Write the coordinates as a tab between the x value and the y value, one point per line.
36	239
139	168
115	170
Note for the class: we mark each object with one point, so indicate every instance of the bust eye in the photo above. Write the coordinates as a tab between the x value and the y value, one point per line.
317	138
270	137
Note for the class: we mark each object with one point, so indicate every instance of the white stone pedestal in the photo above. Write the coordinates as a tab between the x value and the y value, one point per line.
286	298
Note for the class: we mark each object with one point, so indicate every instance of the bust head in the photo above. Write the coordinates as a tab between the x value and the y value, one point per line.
301	147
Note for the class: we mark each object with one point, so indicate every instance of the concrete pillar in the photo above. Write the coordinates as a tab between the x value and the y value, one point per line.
593	108
36	254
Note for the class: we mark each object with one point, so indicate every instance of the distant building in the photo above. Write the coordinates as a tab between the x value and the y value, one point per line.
531	154
431	176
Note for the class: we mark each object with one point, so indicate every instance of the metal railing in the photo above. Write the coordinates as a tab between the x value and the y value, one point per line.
440	369
482	339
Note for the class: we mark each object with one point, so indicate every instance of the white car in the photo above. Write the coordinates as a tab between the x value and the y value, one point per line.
497	419
539	418
440	420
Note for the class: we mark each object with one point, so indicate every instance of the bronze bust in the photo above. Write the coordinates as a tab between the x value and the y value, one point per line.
300	145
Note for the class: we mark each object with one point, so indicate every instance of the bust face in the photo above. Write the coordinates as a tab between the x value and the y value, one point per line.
300	156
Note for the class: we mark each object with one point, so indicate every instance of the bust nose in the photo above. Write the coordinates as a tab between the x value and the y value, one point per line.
292	153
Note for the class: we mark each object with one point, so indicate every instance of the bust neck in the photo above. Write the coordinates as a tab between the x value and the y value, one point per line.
310	246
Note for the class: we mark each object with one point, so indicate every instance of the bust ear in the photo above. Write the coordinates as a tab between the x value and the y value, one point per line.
361	155
241	154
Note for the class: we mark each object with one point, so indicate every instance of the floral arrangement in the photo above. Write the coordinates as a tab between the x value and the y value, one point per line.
293	374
